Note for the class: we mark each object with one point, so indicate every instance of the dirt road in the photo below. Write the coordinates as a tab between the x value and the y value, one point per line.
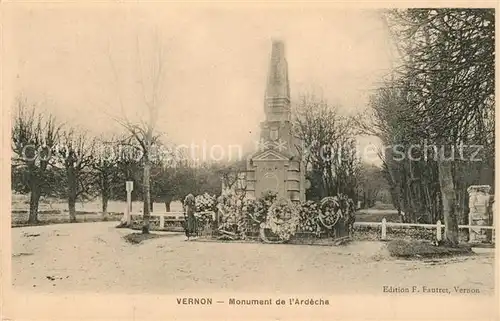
94	257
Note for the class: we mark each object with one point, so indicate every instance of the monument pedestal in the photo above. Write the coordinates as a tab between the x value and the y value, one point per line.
274	172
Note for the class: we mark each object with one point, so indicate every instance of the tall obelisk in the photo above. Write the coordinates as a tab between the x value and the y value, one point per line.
277	166
277	96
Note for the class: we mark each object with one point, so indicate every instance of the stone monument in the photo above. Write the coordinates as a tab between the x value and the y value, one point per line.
277	165
479	203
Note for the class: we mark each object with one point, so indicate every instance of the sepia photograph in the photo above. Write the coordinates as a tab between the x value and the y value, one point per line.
265	156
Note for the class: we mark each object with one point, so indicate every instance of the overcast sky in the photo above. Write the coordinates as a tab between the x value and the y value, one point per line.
215	62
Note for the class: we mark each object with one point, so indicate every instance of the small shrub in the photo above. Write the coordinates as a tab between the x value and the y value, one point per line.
422	249
137	238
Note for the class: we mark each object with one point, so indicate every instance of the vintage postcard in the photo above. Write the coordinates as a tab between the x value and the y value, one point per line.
250	160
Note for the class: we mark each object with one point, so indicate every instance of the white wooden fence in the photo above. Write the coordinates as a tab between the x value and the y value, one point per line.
173	217
438	226
177	217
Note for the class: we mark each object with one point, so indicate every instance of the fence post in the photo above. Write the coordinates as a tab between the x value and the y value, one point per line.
384	229
438	231
129	185
162	222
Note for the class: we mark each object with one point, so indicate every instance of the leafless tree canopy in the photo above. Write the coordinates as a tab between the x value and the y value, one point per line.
442	94
329	146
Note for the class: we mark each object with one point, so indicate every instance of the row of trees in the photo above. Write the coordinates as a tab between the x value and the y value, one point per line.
55	160
437	108
79	169
51	159
334	164
329	147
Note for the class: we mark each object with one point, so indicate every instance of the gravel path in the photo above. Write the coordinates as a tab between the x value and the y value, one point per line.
94	257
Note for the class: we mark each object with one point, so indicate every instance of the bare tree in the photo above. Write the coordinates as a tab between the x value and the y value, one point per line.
441	94
34	137
76	153
371	182
150	78
232	174
329	145
172	178
106	168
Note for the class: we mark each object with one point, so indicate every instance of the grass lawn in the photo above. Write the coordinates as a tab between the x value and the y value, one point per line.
422	249
370	215
55	211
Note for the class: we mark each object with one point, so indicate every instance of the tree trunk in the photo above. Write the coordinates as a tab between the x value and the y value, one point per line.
489	233
72	209
167	205
70	171
104	205
430	204
104	195
448	201
34	201
330	182
146	195
461	182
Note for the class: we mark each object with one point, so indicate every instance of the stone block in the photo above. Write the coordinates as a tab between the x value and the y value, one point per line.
479	201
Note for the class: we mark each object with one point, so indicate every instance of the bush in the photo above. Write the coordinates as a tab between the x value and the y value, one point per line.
137	238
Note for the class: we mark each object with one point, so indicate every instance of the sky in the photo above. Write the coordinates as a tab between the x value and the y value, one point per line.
85	63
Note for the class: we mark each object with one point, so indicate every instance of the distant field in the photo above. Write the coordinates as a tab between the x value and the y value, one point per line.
377	213
56	211
374	215
21	202
382	206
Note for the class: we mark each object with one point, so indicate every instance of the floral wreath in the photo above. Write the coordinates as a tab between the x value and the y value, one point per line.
282	220
331	212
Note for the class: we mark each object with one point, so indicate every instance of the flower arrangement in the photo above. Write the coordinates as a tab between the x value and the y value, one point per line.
205	202
309	212
230	207
239	215
331	212
325	215
258	209
282	219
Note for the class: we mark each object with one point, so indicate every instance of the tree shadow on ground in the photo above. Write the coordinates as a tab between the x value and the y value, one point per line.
137	238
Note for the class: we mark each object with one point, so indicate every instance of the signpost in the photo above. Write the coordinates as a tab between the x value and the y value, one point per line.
129	185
